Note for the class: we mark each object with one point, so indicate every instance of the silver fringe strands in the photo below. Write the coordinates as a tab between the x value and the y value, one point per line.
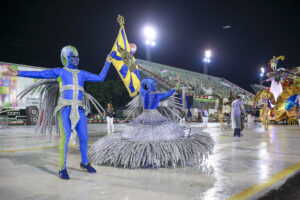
152	140
49	93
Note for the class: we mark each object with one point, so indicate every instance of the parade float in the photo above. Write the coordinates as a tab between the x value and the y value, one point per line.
281	99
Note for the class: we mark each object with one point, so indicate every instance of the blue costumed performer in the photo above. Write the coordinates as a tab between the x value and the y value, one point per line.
151	139
67	101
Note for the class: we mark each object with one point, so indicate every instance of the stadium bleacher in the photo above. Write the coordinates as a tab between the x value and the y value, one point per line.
198	84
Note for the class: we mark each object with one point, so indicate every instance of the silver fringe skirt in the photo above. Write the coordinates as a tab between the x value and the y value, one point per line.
151	140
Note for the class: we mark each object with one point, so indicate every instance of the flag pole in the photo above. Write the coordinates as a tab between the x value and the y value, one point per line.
121	21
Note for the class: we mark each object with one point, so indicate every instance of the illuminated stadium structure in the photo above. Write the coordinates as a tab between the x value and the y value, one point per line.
198	85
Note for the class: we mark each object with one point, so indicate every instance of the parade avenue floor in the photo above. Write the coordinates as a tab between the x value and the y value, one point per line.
240	168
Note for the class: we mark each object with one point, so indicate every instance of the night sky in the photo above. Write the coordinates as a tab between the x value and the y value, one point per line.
34	32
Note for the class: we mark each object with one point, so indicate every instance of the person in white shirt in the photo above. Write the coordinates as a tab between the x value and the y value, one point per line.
237	109
109	112
205	116
250	120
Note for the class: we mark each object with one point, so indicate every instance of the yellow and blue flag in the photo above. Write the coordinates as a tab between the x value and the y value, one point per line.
125	63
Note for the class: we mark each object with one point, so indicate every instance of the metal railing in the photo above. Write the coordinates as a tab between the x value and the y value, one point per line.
3	121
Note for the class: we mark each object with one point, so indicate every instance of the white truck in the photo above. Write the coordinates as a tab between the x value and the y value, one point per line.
11	107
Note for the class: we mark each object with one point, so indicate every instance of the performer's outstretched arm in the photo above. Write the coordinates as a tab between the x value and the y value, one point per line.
98	78
167	94
46	74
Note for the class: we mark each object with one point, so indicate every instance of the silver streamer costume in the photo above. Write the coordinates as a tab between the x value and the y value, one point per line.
51	102
152	140
74	103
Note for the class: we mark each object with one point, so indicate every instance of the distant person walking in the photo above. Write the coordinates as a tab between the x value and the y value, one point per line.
199	117
182	115
299	115
205	116
221	119
298	100
237	109
109	113
250	120
265	115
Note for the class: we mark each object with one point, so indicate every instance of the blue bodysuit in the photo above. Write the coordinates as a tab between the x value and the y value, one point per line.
70	108
150	98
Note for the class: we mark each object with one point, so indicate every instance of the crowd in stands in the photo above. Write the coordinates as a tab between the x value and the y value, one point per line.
204	85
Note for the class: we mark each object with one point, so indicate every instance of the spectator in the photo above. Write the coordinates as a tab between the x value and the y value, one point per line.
299	115
250	120
109	113
237	110
221	117
199	116
182	115
205	116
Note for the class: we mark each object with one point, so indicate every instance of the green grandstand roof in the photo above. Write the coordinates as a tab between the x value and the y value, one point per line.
156	67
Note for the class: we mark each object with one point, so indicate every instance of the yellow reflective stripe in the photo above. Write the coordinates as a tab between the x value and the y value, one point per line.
59	83
62	141
266	183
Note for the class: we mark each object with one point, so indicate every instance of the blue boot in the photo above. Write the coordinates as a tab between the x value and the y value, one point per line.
63	174
87	167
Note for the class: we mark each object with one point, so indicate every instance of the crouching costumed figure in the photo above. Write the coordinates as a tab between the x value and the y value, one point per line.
151	140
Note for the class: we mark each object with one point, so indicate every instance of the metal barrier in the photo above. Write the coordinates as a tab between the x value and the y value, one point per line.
3	121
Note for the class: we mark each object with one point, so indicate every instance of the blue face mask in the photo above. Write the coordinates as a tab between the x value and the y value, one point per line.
149	84
73	60
69	56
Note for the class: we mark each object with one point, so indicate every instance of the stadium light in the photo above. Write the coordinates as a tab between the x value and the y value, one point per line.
150	33
262	70
206	60
207	53
150	36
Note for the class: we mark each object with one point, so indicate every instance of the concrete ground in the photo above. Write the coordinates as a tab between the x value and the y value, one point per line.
240	168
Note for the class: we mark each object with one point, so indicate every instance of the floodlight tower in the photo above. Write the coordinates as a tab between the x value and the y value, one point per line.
150	35
206	60
262	73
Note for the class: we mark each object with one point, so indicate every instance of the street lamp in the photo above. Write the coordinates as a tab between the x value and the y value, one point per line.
262	72
206	60
150	35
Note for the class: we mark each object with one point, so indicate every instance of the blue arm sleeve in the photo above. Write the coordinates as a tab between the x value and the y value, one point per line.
46	74
98	78
166	95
